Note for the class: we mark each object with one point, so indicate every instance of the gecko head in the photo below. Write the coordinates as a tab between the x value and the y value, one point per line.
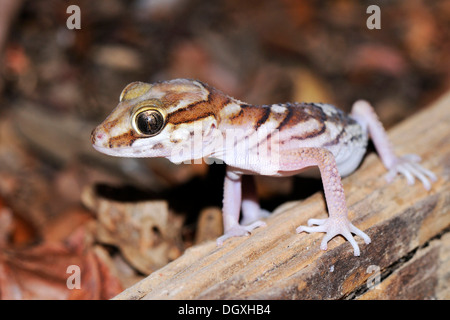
153	120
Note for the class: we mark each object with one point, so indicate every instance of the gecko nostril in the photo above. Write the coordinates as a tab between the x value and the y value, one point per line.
96	136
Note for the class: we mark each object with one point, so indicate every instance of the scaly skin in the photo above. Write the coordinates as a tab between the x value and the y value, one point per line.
187	120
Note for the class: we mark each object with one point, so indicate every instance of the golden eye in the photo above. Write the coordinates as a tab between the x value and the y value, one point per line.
148	121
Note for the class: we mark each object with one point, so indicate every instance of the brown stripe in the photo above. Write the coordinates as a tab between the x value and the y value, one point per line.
125	139
286	118
249	114
240	114
311	134
200	109
335	140
298	113
263	117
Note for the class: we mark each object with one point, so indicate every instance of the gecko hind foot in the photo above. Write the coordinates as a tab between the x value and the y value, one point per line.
249	219
409	166
239	231
333	227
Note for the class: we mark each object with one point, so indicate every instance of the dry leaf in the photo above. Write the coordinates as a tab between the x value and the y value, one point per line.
146	233
41	271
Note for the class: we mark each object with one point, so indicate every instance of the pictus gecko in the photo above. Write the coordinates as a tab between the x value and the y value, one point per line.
183	120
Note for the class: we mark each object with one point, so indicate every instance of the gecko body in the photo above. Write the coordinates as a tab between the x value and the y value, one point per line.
184	120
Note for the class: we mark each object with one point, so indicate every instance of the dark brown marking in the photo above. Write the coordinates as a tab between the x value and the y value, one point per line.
356	138
240	114
286	118
341	118
335	140
302	112
200	109
250	112
311	134
158	146
124	140
265	115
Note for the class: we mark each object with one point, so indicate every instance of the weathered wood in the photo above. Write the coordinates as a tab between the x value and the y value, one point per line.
409	228
424	275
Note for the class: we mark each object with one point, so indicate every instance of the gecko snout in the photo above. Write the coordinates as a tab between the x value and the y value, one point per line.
98	137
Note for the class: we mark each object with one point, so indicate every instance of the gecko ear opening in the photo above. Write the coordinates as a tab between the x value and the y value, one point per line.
148	121
134	90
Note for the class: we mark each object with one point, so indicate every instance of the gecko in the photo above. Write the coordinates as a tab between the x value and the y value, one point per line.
184	120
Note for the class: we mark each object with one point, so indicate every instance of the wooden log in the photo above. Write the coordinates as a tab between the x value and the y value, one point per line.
409	227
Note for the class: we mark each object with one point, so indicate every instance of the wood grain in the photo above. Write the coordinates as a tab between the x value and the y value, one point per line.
409	227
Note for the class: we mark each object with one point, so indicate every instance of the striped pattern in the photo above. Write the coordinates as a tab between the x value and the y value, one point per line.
188	102
198	110
123	140
323	125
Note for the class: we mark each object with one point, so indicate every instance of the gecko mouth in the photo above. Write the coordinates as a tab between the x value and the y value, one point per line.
120	152
130	152
105	150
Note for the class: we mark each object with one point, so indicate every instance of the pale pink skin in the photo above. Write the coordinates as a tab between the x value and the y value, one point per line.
293	161
328	139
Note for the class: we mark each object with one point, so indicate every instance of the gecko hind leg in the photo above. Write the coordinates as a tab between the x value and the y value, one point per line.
251	210
407	165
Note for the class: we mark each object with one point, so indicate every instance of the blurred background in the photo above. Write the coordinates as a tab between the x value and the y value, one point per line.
62	203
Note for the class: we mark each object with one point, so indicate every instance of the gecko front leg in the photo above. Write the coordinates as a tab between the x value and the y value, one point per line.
232	201
338	222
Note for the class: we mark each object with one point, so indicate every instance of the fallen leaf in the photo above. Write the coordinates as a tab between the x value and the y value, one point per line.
41	271
145	232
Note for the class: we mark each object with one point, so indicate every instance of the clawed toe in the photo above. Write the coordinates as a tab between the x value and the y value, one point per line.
317	222
333	227
410	168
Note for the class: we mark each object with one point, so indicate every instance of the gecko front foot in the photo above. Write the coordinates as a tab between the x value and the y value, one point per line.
239	231
333	227
409	166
